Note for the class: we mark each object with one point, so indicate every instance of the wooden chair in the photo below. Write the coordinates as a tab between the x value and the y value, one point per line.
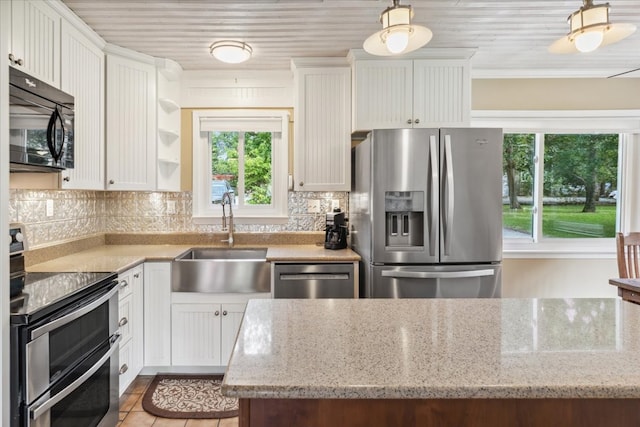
628	250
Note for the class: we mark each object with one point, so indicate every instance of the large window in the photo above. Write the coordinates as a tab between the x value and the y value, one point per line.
560	185
242	153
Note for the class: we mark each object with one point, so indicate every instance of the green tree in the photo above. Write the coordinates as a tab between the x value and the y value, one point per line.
516	160
580	162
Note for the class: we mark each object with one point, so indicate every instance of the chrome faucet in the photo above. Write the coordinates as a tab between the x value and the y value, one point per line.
226	198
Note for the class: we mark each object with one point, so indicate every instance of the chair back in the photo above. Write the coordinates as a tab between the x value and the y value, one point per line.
628	250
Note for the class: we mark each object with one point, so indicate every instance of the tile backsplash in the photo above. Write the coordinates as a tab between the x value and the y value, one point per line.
82	213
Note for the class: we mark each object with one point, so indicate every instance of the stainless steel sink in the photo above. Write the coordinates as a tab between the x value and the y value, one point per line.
221	270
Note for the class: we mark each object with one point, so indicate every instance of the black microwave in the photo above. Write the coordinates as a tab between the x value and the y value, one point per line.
41	121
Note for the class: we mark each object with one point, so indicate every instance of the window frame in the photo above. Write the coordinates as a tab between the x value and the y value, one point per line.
624	122
204	212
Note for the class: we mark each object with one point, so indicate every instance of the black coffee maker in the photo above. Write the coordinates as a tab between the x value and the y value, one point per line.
336	231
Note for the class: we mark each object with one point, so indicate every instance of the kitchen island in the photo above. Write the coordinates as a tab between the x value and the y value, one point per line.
480	362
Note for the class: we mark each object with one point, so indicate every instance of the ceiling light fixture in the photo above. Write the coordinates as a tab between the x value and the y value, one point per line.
398	35
230	51
589	28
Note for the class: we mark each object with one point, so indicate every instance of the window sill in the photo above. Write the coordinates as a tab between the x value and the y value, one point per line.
554	248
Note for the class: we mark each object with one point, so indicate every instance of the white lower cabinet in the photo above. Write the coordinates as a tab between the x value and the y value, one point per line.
204	327
130	325
157	310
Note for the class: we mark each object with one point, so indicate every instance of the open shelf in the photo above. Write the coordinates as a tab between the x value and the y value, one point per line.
169	135
169	105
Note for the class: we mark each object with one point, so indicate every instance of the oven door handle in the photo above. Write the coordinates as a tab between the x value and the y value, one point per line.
73	315
43	408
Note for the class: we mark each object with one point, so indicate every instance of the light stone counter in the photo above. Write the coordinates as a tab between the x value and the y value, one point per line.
110	258
310	253
437	349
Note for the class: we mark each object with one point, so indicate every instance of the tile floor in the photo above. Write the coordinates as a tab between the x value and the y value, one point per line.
132	414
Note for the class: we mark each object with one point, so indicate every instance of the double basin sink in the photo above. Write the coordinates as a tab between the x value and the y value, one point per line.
221	270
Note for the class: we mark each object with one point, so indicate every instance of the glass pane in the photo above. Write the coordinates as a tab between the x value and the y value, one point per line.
517	185
257	168
224	164
580	185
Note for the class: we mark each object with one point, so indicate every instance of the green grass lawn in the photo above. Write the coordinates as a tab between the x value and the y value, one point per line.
564	221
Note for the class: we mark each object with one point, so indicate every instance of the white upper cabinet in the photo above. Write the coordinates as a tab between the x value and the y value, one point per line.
35	40
430	88
322	136
82	65
130	124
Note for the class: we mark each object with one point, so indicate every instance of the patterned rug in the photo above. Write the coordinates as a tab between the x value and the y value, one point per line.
188	396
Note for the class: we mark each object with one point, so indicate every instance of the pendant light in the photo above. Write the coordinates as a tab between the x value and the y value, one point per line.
589	28
230	51
398	34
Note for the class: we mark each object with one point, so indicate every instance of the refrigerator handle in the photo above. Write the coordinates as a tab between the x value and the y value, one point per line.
437	274
450	195
433	155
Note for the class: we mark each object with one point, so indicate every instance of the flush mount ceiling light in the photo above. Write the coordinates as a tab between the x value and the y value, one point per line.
589	28
398	35
230	51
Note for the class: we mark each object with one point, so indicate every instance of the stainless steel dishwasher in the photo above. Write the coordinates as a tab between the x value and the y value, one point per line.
322	280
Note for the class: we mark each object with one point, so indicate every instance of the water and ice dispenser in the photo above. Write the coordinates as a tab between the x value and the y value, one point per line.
404	212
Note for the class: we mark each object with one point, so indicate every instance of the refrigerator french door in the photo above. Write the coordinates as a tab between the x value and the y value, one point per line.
428	198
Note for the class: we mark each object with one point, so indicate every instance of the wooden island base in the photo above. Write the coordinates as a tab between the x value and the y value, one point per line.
439	412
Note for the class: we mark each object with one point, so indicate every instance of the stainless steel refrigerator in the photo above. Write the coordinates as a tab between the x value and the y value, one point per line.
426	213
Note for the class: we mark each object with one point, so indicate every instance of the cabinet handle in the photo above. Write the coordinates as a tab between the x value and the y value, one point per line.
123	284
409	121
123	321
217	313
14	60
224	313
66	179
124	368
20	62
137	275
111	181
416	121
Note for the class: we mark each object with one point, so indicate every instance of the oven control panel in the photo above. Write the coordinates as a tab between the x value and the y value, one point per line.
17	239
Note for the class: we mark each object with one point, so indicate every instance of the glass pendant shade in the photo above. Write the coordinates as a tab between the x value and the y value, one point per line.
398	35
589	29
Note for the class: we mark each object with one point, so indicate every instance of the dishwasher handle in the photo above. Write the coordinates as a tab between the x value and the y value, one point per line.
437	274
314	276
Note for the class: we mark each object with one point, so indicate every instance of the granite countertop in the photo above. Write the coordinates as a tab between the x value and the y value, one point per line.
437	348
119	258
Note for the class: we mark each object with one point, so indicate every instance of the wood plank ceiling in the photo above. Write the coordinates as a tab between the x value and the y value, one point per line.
511	36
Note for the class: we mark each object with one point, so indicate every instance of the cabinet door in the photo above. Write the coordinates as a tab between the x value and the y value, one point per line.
35	39
322	129
383	94
131	124
231	319
195	332
83	77
157	309
442	93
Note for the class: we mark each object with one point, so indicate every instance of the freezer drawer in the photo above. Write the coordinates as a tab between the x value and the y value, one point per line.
469	281
321	280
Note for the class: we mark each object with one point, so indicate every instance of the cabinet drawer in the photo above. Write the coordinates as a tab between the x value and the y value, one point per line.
125	283
125	311
126	373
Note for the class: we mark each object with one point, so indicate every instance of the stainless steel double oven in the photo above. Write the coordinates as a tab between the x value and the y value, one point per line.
64	351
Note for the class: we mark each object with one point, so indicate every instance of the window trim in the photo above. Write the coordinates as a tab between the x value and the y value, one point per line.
203	213
624	122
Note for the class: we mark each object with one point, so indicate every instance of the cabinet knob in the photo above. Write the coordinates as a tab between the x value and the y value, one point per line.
224	313
66	179
301	184
111	181
123	321
20	62
124	368
416	121
217	313
409	121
